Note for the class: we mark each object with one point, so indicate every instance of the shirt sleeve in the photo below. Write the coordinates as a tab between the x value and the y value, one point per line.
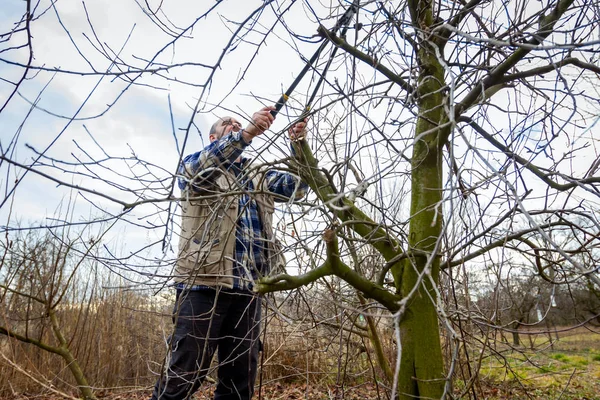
286	185
203	167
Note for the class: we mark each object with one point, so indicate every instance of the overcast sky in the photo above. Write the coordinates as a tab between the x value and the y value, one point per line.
84	116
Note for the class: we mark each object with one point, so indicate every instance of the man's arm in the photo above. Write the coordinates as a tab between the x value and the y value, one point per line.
204	166
285	184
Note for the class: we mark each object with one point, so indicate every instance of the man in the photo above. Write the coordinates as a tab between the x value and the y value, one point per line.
226	244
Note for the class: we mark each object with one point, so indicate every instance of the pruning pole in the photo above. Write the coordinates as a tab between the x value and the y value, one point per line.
342	22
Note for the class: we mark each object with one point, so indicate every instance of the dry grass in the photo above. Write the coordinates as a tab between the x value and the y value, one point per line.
121	341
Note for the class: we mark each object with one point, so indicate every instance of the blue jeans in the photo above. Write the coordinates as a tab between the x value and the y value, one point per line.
208	320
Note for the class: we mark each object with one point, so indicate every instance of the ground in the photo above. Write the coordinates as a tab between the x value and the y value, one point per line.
562	365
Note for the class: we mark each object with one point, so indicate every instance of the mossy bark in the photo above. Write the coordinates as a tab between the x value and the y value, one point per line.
421	372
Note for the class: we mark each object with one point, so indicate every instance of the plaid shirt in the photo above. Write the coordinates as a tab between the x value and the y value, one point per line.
250	241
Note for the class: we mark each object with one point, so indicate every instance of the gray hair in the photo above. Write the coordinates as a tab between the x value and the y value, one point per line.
213	128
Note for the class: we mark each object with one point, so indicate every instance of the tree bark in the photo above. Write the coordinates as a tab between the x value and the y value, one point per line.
65	353
421	372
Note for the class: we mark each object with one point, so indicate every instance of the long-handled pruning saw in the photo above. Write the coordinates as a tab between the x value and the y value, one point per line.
342	23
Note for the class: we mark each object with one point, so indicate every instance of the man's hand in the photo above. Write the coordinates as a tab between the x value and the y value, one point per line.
261	121
298	131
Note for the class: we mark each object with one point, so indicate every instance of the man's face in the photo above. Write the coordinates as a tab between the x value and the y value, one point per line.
225	126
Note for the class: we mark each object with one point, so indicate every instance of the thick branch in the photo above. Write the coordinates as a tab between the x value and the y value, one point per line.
497	74
332	266
25	339
280	282
354	279
526	163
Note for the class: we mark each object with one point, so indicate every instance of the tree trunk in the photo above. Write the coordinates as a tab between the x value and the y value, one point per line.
515	335
421	372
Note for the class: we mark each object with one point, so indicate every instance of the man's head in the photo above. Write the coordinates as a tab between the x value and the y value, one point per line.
223	127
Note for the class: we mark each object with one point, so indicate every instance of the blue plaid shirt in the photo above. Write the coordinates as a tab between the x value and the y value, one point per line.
250	244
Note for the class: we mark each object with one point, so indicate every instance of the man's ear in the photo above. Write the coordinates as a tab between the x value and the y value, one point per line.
211	138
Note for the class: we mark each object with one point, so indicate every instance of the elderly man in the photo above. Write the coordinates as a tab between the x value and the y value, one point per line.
226	245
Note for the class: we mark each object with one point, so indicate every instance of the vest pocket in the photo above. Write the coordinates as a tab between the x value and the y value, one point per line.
204	257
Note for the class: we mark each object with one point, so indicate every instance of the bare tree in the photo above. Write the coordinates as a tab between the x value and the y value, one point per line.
37	275
447	137
454	76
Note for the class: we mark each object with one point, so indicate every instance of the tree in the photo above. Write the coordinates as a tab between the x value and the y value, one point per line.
35	282
447	135
450	100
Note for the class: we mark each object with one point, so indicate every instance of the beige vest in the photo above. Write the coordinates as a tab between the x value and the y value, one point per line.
207	241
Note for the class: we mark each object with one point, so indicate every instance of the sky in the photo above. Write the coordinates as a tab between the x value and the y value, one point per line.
83	116
136	131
